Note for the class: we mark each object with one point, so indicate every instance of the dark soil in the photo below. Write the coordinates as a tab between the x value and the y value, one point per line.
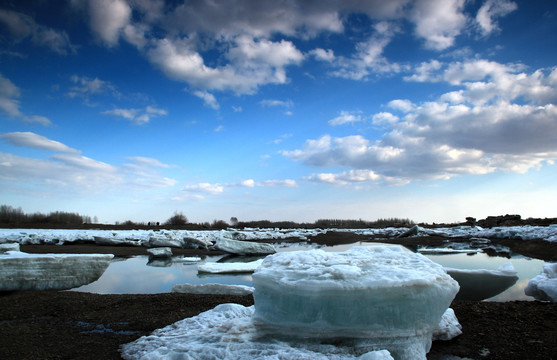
72	325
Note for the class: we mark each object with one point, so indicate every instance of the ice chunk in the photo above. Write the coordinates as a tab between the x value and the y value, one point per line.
160	252
544	285
22	271
213	289
236	267
387	295
244	247
159	241
480	284
228	332
9	247
448	327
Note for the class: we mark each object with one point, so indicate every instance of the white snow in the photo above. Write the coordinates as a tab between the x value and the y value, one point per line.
228	332
238	247
160	252
22	271
544	285
480	284
387	295
232	267
213	289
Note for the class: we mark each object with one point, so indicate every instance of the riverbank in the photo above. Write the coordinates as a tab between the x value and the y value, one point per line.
72	325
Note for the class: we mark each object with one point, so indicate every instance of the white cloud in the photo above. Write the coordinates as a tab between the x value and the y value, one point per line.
489	11
137	116
23	26
323	55
10	105
141	161
346	178
68	171
346	117
251	63
475	129
403	105
206	188
283	183
108	19
86	87
384	118
276	103
209	99
248	183
368	59
438	22
35	141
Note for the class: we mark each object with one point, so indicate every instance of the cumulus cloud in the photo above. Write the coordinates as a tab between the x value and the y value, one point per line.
209	99
22	26
498	119
323	55
251	63
490	11
108	19
9	103
137	116
346	117
438	22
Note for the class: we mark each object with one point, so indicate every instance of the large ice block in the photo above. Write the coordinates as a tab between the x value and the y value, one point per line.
544	285
22	271
387	295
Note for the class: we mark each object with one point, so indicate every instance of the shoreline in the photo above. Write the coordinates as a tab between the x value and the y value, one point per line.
77	325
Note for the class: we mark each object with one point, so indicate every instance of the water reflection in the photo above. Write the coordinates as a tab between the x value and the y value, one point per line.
139	275
525	268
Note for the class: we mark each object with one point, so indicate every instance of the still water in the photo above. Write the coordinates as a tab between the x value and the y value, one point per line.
137	275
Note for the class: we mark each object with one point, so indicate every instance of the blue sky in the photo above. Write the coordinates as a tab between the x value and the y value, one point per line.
432	110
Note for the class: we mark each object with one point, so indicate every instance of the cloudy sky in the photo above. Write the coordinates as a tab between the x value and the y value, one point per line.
432	110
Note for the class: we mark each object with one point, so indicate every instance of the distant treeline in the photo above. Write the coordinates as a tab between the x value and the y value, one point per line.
12	216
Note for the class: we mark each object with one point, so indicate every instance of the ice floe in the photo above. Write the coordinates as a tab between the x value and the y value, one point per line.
207	238
387	295
238	247
480	284
213	289
22	271
160	252
229	267
544	285
228	332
